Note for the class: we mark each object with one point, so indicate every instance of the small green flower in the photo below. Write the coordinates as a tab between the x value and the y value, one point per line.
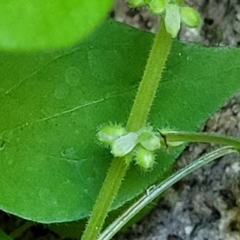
189	17
124	145
174	14
149	140
145	158
109	133
137	3
157	6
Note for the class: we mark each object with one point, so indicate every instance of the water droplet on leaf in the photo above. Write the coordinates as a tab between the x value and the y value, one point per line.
73	76
61	91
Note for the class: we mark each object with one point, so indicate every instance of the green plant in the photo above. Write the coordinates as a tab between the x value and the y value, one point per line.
53	101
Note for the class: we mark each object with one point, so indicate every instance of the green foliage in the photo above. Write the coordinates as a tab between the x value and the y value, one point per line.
135	145
41	24
157	6
189	17
4	236
52	103
172	12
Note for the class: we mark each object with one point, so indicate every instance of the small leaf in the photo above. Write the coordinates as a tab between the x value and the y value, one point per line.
41	24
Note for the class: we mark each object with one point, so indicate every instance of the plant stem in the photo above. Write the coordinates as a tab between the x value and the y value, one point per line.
152	74
137	120
155	191
202	137
105	198
19	231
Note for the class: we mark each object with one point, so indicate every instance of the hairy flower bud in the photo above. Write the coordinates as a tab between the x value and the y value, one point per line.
189	17
157	6
149	140
109	133
144	158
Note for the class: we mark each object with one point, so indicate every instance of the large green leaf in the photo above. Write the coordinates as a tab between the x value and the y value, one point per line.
52	103
40	24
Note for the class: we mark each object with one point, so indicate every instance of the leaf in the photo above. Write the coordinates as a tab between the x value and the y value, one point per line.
41	24
52	103
4	236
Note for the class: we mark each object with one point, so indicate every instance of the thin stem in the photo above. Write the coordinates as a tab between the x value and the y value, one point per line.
152	74
105	198
155	191
202	137
137	119
19	231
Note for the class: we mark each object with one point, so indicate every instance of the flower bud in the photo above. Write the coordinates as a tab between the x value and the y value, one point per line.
157	6
149	140
109	133
136	3
124	145
144	158
189	17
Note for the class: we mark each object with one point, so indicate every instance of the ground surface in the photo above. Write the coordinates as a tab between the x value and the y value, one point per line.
205	205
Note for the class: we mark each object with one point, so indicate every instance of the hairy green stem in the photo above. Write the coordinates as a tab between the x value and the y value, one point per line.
155	191
105	198
19	231
137	120
152	74
202	137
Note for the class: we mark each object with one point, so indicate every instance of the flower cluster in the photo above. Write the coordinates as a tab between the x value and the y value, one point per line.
138	146
173	13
